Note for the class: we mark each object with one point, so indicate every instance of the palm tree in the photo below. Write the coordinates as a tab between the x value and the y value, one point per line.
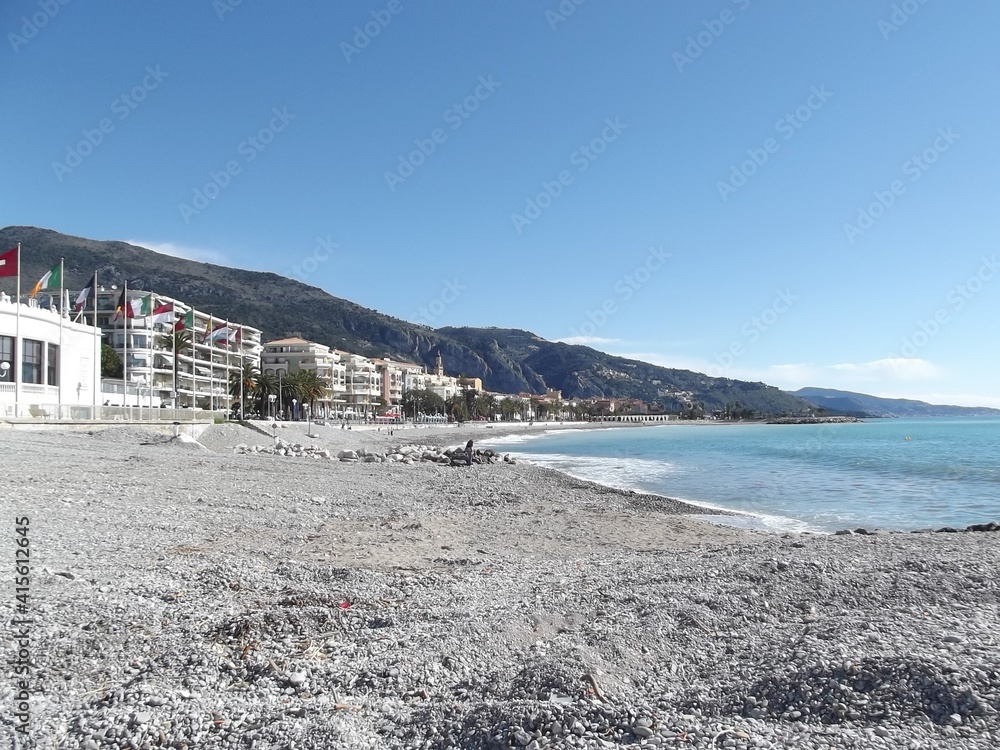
311	387
486	405
509	407
266	385
176	342
243	385
456	408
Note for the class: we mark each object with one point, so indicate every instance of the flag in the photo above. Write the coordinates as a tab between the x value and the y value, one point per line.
162	314
186	322
86	293
51	279
238	337
142	307
122	307
8	263
220	332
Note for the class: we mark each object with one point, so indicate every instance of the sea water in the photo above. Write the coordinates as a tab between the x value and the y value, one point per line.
893	474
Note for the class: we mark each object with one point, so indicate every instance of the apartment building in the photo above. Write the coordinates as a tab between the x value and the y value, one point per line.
364	386
189	369
393	378
282	357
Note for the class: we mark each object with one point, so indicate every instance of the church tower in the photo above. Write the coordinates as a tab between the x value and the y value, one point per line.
439	365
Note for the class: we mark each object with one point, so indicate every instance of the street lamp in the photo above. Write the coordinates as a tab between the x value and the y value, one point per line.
271	398
4	370
295	409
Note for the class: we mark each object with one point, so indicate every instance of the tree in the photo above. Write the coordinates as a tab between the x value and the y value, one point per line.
486	405
456	407
310	387
179	342
418	401
111	363
266	386
509	407
469	395
243	385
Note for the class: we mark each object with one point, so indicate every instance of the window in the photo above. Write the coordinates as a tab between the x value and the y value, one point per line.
52	365
7	357
31	362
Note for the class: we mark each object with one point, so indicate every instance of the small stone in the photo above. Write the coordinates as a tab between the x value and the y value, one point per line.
640	731
297	679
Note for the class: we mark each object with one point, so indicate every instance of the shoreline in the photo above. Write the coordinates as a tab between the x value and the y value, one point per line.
185	594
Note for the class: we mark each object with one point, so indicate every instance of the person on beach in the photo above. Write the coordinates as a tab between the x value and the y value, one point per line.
468	453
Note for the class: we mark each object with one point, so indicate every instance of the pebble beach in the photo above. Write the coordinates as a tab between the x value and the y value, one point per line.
203	594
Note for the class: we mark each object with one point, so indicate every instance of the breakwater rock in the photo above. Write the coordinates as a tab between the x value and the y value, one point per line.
405	454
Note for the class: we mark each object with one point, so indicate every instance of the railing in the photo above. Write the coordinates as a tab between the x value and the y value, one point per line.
73	413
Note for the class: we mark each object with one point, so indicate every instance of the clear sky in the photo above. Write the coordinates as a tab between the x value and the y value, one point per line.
799	193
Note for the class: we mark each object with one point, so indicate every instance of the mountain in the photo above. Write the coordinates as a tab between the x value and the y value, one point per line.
874	406
507	360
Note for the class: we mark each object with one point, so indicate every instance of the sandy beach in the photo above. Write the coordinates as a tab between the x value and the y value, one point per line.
189	595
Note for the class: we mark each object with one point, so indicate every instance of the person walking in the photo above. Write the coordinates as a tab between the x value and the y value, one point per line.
468	453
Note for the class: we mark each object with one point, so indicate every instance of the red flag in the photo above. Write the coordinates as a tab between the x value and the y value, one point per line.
8	263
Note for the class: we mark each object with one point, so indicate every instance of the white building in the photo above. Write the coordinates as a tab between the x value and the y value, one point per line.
284	356
364	385
207	358
49	365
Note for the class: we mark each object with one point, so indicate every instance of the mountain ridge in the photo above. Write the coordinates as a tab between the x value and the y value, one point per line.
507	360
877	406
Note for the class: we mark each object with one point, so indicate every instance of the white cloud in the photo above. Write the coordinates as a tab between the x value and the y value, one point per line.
586	340
182	251
849	375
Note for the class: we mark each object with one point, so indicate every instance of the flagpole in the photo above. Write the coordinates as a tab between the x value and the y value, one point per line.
59	372
173	353
228	350
125	361
18	353
211	366
239	363
97	344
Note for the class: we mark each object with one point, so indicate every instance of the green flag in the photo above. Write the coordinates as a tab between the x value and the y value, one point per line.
51	280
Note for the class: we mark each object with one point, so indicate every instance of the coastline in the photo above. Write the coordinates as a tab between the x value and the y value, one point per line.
182	591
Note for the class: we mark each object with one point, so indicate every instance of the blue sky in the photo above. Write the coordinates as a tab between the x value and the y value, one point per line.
804	194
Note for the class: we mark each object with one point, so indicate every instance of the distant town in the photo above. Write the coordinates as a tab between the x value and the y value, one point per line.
122	349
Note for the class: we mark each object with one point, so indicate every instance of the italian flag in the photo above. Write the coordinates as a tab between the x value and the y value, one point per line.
186	323
51	279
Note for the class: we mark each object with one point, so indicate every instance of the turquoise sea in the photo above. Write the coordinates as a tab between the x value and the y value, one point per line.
894	474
